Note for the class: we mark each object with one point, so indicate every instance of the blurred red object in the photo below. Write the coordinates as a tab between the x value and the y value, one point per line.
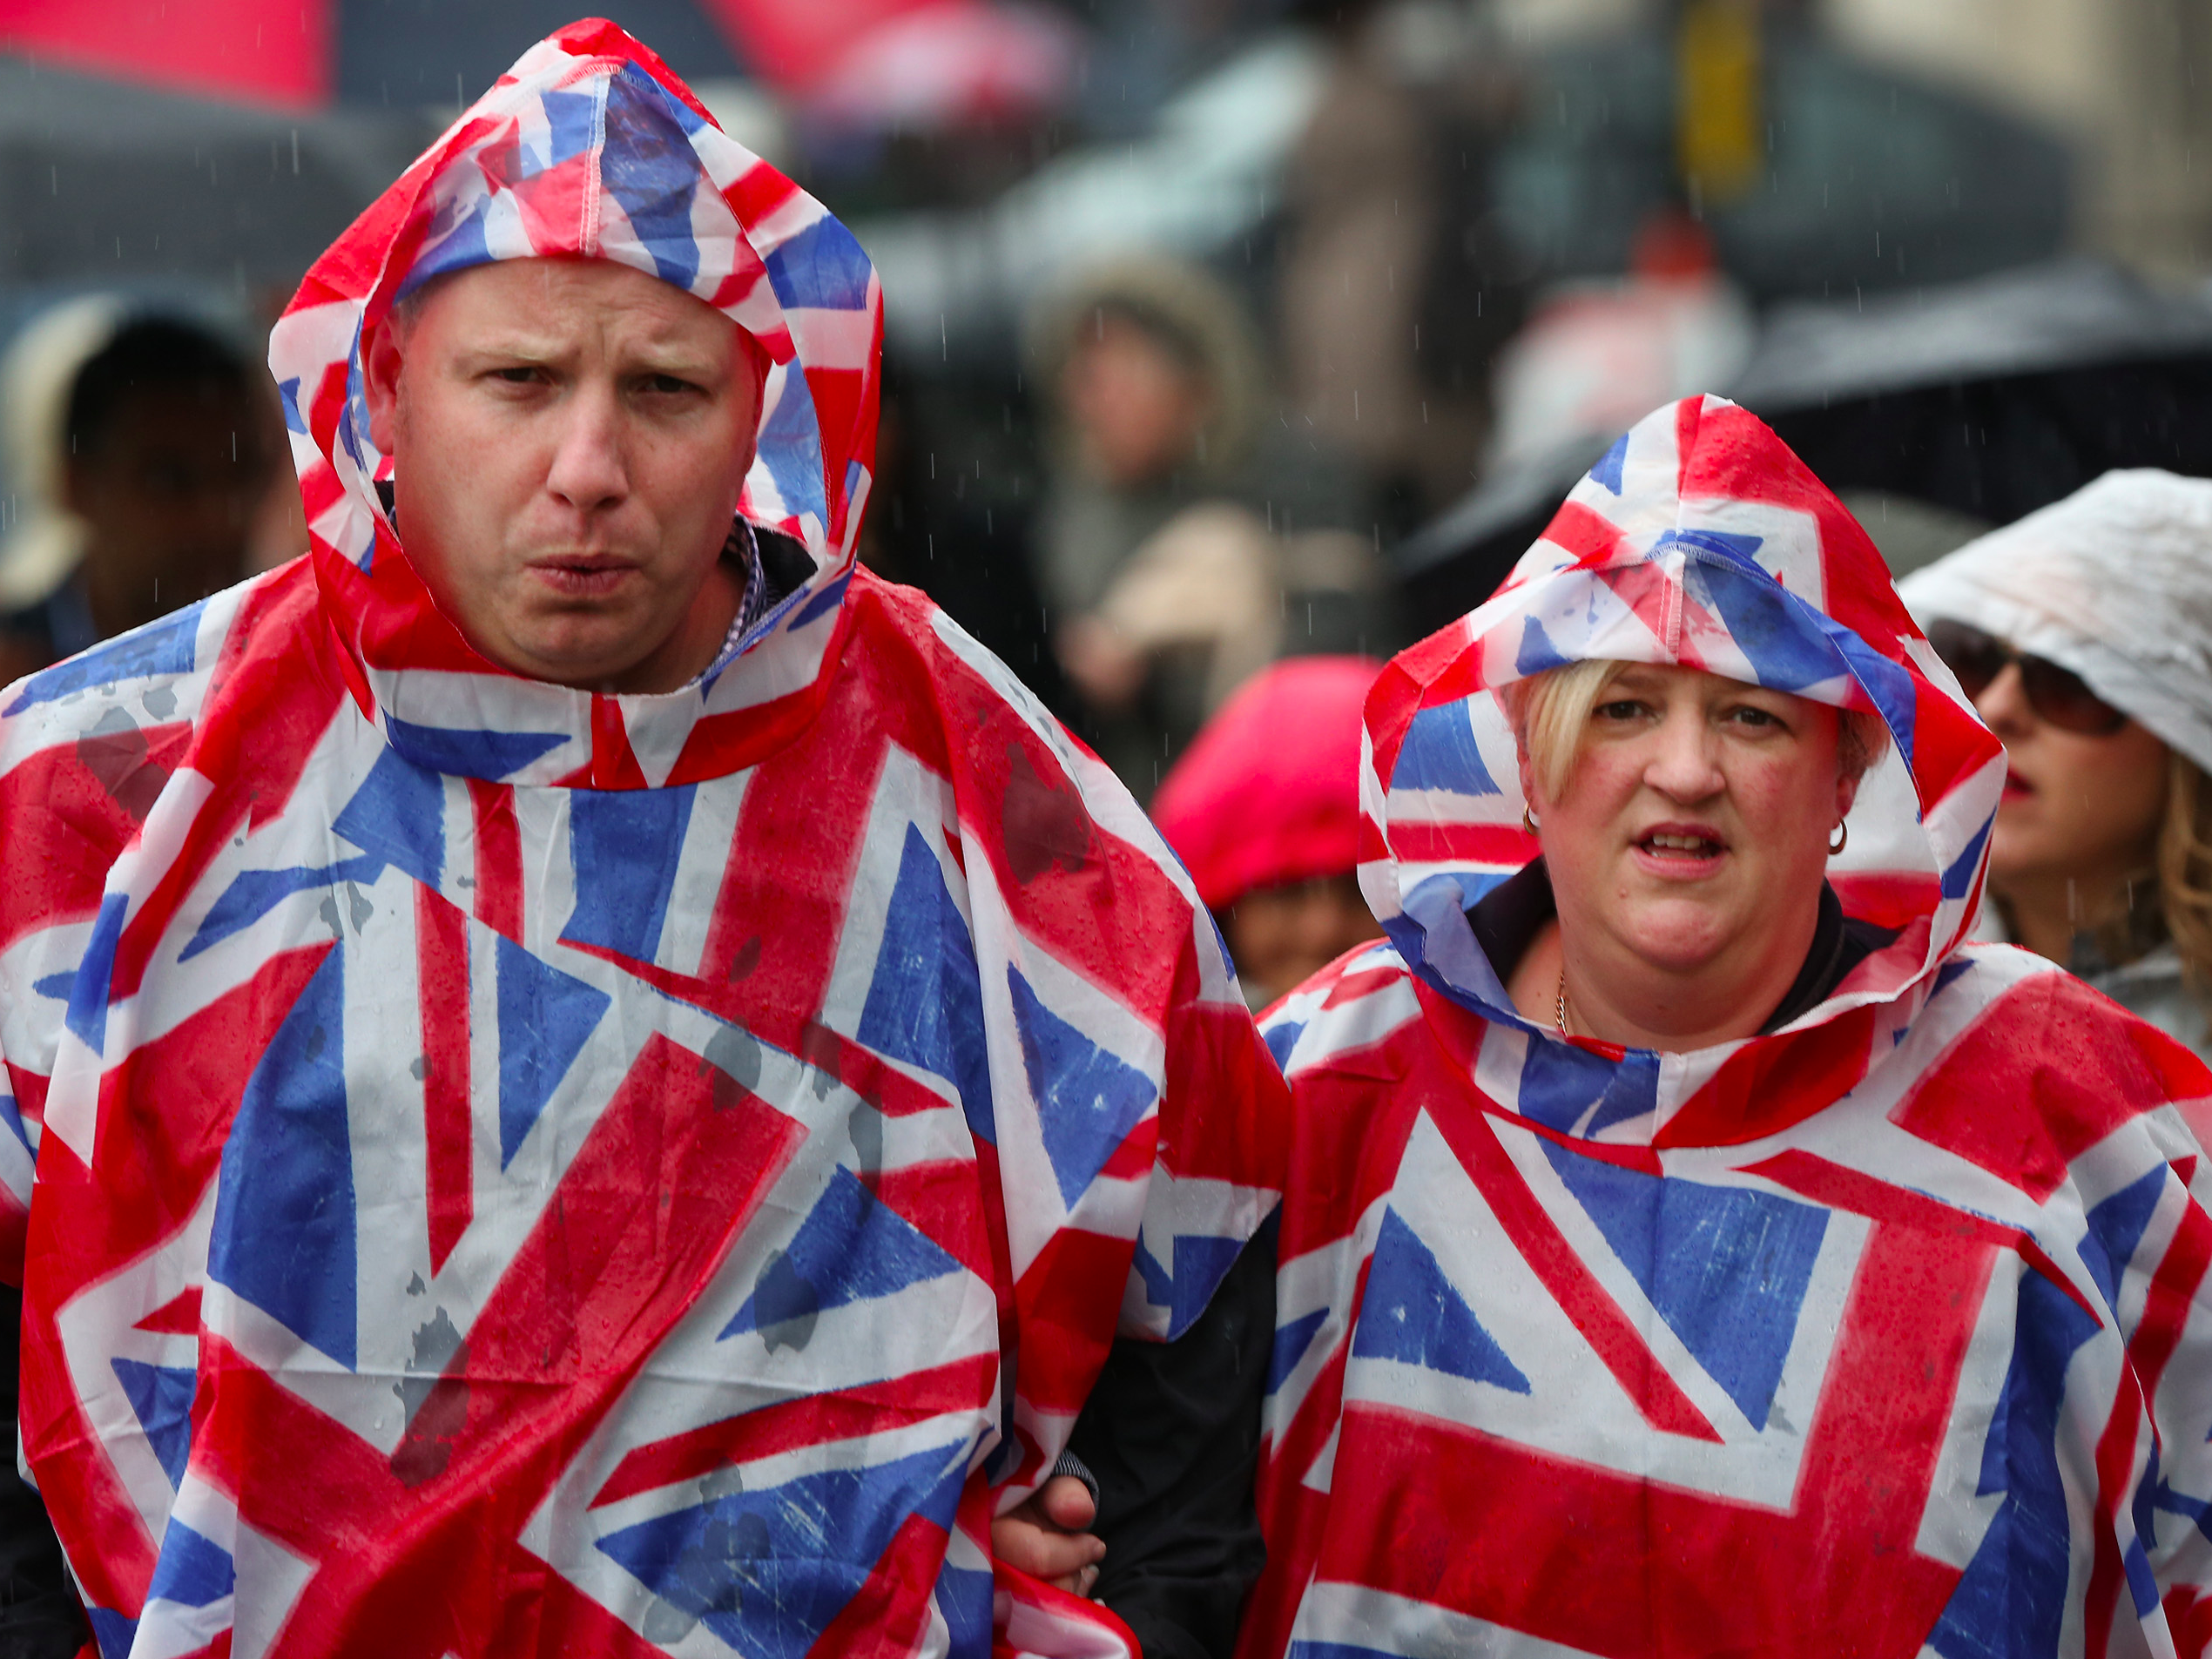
864	63
1670	245
917	63
270	51
1269	792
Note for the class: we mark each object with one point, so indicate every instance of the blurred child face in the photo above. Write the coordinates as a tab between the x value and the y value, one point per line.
1135	408
1283	935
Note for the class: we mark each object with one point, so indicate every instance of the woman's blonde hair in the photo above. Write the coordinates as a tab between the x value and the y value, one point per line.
1551	712
2185	867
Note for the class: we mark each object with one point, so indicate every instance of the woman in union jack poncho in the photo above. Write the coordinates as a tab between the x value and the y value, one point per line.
1692	1244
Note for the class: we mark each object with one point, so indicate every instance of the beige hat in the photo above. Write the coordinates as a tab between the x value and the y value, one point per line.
42	539
1180	300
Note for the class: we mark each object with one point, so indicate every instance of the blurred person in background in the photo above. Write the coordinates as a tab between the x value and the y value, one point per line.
966	547
1264	811
1398	284
143	450
1167	545
2083	633
1597	352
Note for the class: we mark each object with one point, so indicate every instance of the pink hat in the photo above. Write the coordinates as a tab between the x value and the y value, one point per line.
1269	791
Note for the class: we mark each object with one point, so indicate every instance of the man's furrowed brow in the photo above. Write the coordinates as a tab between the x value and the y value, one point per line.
514	344
684	358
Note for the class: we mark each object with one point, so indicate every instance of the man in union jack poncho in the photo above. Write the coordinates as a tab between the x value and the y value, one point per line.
1692	1245
600	1082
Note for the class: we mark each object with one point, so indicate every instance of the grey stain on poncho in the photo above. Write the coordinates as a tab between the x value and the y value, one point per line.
785	1304
734	1057
434	1343
116	753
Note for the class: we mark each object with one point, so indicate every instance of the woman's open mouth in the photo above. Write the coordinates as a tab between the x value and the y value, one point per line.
1687	844
1680	851
2017	787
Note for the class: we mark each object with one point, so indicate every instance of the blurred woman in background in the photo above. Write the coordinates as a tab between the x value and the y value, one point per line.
2084	635
1179	546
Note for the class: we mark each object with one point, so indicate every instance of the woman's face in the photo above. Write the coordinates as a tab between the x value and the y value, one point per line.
2077	807
1136	409
1699	812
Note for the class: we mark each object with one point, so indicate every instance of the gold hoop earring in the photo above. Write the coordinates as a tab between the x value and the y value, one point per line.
1528	820
1842	838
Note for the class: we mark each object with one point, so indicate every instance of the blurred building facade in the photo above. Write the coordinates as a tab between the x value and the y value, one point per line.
2128	82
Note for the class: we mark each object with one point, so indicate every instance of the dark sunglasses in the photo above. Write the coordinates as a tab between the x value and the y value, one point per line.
2057	695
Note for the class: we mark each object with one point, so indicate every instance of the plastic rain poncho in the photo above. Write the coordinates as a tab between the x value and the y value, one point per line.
1886	1333
523	1171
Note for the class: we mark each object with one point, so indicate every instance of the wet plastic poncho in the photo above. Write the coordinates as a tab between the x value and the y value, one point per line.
2114	583
1884	1333
523	1171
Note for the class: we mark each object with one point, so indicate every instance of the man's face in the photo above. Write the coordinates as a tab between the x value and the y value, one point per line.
569	439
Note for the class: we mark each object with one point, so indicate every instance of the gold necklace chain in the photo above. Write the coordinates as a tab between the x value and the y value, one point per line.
1559	1010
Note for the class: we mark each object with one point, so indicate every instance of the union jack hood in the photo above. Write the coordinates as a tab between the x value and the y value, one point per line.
1885	1333
525	1171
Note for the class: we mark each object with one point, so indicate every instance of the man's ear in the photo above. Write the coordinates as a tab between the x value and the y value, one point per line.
757	355
380	379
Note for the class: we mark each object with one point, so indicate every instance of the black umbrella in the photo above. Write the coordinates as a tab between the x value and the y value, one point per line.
1988	398
104	183
1994	397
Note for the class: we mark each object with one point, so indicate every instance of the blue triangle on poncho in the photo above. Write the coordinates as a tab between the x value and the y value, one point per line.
161	1397
767	1570
283	1236
193	1570
1440	753
545	1018
1726	1267
925	1001
1088	1099
852	1247
1412	1313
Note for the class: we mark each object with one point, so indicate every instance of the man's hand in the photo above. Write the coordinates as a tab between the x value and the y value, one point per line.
1043	1536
